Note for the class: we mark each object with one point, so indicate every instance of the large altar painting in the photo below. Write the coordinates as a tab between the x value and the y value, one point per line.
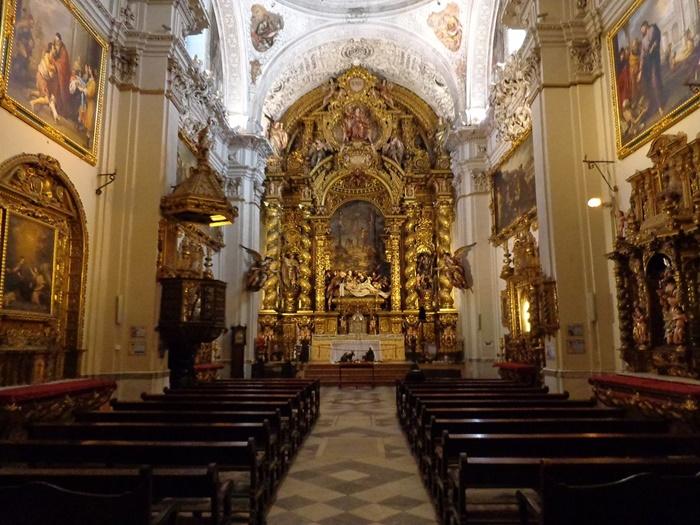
357	245
654	52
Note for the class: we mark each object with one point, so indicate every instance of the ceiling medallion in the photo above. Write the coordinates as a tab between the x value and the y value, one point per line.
357	50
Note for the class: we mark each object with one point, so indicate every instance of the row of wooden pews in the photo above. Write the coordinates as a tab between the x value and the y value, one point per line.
494	451
216	452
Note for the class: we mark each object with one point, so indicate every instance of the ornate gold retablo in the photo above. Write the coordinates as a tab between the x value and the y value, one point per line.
360	191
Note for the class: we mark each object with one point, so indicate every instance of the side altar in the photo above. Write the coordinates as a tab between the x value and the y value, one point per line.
330	348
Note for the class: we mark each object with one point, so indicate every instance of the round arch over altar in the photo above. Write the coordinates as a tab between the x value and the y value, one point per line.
358	210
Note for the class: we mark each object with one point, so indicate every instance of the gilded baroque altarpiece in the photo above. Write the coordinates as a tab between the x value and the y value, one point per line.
358	211
43	254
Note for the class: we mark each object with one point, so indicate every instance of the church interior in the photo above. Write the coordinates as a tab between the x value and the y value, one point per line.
349	262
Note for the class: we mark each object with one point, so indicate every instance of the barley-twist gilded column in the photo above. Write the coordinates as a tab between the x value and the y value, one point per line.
410	255
444	218
273	216
394	257
320	240
305	272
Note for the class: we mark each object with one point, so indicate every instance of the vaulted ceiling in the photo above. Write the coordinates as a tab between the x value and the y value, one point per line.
277	50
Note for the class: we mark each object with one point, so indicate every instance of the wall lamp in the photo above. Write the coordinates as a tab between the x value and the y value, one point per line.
597	202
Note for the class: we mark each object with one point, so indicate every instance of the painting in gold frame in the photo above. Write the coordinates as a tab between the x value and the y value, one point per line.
52	72
28	263
513	198
654	55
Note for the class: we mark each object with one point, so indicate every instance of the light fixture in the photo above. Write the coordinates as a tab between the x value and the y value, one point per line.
594	202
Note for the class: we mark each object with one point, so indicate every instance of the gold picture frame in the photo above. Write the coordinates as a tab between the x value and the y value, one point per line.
28	266
653	55
53	72
517	163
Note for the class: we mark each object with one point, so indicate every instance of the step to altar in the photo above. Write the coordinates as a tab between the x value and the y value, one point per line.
384	373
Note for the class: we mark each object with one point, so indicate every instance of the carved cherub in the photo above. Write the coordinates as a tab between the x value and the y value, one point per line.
457	267
259	270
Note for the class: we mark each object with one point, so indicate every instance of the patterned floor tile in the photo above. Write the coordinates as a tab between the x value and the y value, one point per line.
355	468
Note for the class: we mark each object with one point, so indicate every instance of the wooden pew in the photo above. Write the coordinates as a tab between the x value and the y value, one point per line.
290	421
238	461
302	411
525	473
192	489
646	497
447	454
31	502
154	431
434	432
410	407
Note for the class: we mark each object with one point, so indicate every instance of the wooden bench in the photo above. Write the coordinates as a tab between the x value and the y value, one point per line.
476	474
238	461
643	498
291	423
158	431
434	431
30	502
447	454
196	490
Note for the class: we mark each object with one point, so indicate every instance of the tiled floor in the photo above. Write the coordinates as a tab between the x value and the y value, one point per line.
355	467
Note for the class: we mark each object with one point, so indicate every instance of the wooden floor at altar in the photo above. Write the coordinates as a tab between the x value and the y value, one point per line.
384	373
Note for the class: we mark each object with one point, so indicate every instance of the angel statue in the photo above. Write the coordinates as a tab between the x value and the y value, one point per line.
258	272
457	267
278	137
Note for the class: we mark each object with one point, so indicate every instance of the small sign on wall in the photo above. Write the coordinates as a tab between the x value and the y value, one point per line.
575	339
137	344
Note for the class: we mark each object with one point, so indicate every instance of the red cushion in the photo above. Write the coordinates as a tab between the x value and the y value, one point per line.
645	384
18	394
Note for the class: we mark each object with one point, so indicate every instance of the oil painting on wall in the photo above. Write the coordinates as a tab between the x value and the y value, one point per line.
654	53
53	69
28	265
357	229
513	190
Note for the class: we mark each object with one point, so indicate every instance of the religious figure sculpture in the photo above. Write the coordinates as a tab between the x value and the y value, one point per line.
457	267
441	132
319	151
259	270
364	288
425	271
356	124
394	149
640	330
385	92
278	138
290	271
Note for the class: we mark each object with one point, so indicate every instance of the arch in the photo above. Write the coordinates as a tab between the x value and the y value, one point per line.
397	48
45	330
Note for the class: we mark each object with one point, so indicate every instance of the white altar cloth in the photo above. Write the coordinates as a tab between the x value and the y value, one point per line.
359	346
